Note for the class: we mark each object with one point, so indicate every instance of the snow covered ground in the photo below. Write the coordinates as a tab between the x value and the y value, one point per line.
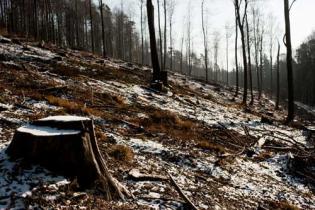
241	182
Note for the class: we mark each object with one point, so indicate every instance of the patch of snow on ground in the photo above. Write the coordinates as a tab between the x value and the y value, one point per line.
17	183
46	131
65	118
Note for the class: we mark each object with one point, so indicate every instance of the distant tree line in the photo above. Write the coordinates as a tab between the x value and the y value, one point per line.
77	24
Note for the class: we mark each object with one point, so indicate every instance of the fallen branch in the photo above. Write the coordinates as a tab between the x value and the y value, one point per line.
182	194
135	175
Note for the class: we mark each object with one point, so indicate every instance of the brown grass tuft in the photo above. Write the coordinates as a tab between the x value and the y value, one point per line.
72	107
122	153
282	205
210	146
165	119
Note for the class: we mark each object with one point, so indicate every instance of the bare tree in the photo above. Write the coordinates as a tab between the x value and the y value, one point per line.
236	57
228	34
154	55
256	22
261	41
103	27
241	21
249	62
160	34
288	45
171	14
189	48
271	40
142	35
165	35
278	77
92	26
205	41
216	40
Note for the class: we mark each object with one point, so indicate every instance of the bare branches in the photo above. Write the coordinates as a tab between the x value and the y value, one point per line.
291	5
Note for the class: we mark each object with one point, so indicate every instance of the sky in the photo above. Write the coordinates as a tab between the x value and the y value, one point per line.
220	13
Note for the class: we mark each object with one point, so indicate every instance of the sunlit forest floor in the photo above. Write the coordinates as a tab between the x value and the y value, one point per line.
222	155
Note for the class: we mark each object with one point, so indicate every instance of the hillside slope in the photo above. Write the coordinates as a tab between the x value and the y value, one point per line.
221	155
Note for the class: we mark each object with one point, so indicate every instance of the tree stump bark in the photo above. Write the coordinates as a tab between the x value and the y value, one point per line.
66	145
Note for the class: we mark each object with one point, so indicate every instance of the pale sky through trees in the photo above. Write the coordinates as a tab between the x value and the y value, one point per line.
220	12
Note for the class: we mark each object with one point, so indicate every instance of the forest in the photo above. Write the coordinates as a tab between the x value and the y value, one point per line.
93	26
147	104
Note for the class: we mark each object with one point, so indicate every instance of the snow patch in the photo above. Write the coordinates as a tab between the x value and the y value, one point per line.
46	131
65	118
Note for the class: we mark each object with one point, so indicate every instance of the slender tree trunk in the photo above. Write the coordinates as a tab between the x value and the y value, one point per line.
256	26
103	28
142	37
77	24
236	56
261	65
2	13
290	116
154	55
241	27
35	20
278	78
160	34
249	63
165	36
204	40
92	29
181	54
227	59
171	43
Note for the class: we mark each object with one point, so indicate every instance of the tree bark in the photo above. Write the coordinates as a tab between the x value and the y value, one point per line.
204	40
290	116
160	34
249	63
92	29
103	28
236	57
278	78
154	55
241	27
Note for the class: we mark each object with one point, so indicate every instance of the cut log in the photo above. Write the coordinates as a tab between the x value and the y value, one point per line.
66	145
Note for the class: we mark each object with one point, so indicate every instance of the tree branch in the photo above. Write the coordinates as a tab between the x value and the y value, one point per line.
291	5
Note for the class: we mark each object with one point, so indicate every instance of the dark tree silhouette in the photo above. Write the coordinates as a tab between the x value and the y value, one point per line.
288	45
154	55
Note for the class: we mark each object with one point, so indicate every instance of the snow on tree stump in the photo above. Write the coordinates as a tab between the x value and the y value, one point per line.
66	145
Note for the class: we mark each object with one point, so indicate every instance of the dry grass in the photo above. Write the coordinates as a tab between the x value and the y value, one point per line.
212	147
121	153
72	107
164	120
282	205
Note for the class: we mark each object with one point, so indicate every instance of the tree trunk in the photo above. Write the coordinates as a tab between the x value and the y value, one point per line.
241	27
92	30
160	34
278	78
249	63
142	37
165	38
103	28
154	55
261	66
290	116
236	57
66	145
204	40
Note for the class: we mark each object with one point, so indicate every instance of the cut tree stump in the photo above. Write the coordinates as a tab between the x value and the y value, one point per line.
66	145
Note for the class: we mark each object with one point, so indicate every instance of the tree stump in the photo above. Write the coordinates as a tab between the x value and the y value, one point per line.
66	145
